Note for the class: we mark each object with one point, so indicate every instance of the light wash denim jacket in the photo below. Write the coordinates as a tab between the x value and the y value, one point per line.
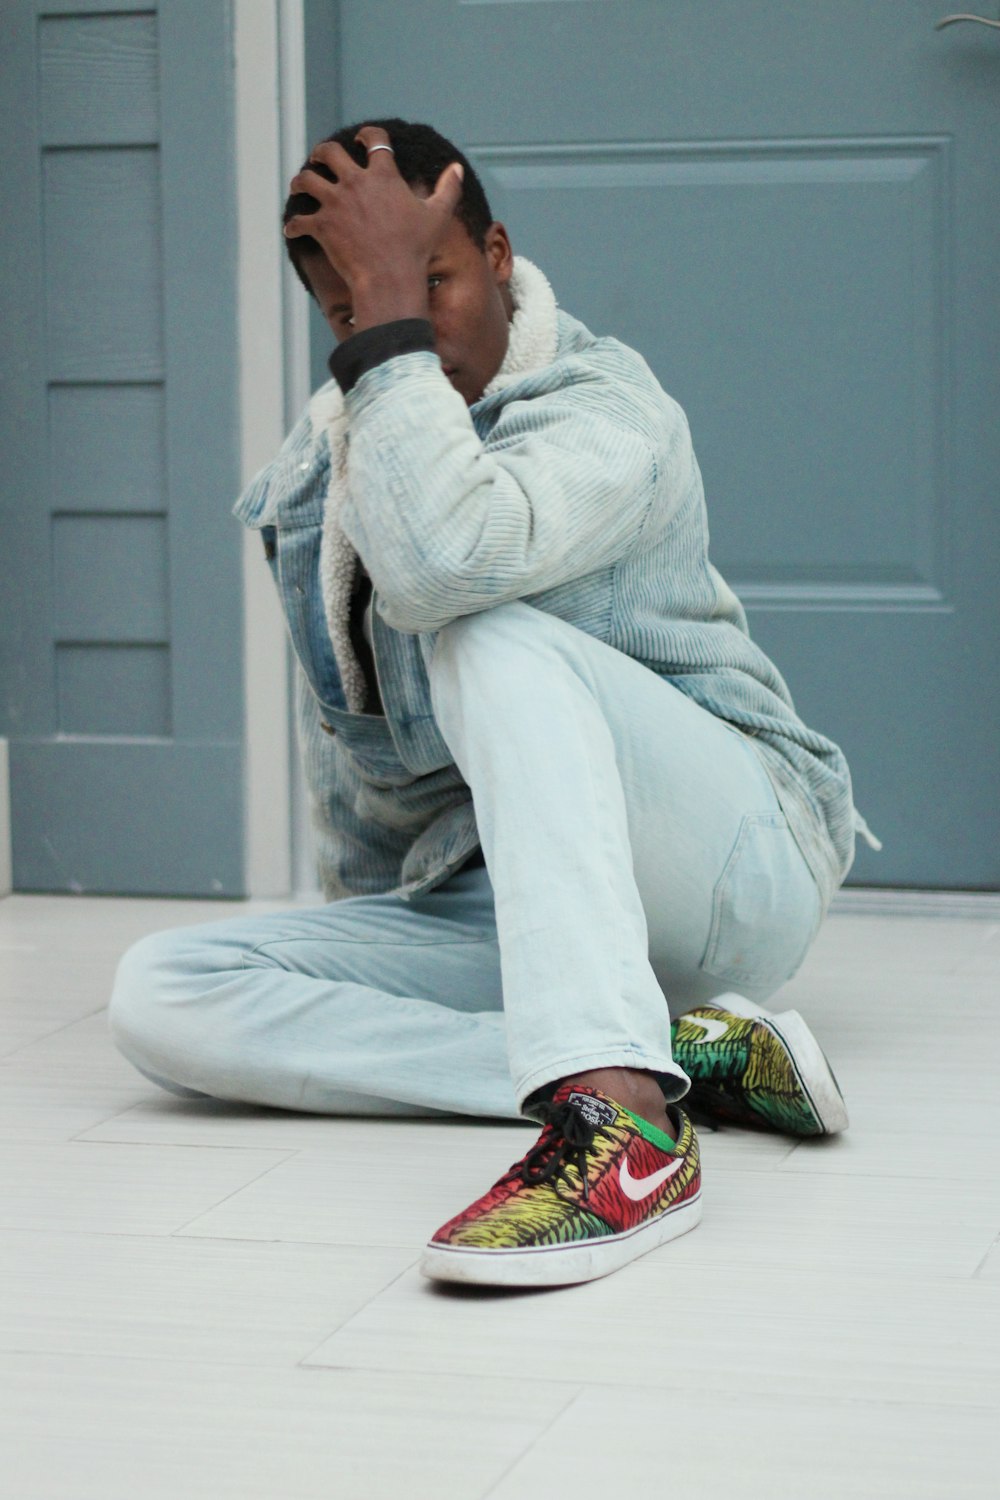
576	489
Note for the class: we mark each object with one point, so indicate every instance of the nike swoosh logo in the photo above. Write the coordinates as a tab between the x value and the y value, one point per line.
713	1029
638	1188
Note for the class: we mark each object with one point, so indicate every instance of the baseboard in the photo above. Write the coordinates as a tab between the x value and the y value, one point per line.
5	854
873	902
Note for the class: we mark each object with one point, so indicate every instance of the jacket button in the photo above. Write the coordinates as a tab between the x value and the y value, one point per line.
327	727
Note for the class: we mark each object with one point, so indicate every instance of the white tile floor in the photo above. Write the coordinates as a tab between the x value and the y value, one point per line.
208	1300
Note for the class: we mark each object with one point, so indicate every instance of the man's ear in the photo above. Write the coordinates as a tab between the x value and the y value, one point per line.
499	253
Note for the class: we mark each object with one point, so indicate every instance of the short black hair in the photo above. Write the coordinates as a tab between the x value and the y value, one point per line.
421	155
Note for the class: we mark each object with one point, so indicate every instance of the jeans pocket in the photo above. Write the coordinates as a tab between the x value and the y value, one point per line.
766	908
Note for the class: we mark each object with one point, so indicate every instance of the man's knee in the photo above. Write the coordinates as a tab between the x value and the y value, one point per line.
483	653
481	631
147	978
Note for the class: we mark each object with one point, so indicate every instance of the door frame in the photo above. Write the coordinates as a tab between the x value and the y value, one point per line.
269	85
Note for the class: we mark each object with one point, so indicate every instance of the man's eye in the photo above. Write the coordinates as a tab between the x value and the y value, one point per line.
348	322
433	281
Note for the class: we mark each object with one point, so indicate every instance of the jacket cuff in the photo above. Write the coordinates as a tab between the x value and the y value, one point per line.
373	346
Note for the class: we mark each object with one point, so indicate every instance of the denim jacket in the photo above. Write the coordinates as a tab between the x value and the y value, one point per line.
575	488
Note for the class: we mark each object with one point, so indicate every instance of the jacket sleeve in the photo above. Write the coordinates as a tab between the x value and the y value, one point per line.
448	525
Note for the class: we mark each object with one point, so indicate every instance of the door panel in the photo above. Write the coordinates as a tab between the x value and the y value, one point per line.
122	621
792	212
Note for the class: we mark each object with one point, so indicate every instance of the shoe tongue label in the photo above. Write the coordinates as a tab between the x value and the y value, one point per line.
594	1111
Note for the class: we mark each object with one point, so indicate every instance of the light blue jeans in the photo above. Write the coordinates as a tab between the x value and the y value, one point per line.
637	863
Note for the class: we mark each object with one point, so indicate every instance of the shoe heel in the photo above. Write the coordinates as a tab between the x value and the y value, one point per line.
739	1005
814	1070
810	1061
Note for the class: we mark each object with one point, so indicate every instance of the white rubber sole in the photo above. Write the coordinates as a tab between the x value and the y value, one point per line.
808	1059
559	1265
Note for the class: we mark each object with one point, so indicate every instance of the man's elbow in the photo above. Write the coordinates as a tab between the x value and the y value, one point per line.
418	611
432	601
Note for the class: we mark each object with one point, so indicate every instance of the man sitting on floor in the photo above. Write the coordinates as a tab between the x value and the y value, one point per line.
559	792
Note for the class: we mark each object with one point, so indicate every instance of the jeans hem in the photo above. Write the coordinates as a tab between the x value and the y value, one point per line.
672	1079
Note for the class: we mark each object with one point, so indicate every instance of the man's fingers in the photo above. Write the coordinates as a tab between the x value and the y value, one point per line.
443	201
333	155
309	182
374	135
448	188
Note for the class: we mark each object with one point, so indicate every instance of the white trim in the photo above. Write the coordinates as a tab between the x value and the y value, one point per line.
267	855
862	901
292	129
298	388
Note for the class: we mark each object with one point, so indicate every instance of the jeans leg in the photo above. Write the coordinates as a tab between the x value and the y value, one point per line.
372	1005
610	808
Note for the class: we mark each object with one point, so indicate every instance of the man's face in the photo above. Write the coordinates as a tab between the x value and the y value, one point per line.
470	303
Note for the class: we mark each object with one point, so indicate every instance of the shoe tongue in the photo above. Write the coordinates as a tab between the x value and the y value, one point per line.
595	1107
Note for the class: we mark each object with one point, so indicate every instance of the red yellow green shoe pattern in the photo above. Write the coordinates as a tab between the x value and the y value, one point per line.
597	1189
749	1067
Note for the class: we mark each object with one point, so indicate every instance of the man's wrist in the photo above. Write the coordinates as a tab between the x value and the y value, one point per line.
389	296
373	346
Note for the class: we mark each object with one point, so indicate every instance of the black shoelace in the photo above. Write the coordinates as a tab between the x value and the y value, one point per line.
567	1138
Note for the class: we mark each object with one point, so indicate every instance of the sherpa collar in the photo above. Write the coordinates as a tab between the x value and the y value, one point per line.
532	345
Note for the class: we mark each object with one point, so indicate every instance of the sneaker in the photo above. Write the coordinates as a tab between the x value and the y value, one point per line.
599	1188
749	1067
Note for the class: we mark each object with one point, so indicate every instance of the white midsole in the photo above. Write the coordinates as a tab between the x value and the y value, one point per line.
807	1057
558	1265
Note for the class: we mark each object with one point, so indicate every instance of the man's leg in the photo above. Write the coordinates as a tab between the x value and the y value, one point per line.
638	856
372	1005
636	848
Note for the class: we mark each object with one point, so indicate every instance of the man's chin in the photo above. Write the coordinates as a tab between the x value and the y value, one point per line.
460	387
453	377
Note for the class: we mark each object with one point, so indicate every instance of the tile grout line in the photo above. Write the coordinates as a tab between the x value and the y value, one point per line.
918	1276
339	1328
174	1233
681	1384
164	1145
519	1458
48	1035
990	1249
96	1125
196	1239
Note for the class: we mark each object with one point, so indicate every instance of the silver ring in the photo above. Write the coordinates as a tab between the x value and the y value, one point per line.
379	148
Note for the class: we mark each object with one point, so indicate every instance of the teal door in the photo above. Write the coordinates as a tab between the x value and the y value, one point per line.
121	584
793	211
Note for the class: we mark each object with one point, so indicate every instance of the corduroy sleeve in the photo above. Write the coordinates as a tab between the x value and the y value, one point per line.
448	524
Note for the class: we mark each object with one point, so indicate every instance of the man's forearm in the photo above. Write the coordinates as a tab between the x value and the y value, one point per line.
390	296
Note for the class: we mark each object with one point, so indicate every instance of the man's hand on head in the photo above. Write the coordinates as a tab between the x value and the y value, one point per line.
374	229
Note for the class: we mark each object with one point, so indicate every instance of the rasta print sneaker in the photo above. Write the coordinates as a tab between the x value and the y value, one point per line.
749	1067
599	1188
